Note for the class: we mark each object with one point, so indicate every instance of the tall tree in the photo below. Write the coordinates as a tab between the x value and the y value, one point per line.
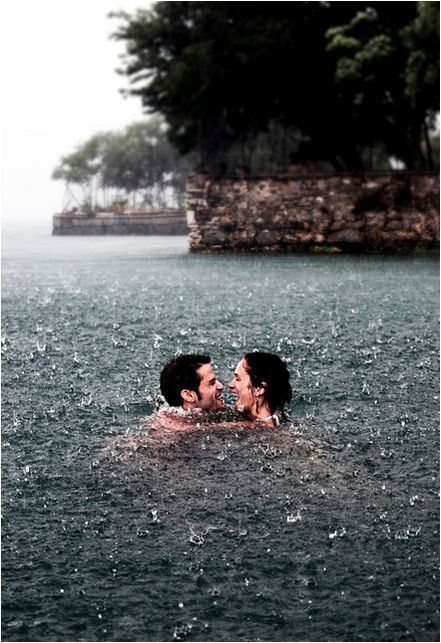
82	168
387	74
222	72
137	162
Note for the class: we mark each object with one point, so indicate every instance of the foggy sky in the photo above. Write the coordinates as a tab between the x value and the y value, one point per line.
59	87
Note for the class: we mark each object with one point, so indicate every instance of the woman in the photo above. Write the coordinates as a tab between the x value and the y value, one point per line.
261	383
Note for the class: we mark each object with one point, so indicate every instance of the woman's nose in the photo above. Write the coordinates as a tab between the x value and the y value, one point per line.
231	384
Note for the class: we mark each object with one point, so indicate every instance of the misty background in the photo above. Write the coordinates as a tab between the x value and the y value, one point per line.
60	86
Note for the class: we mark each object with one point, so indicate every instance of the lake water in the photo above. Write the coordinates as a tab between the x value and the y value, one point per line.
323	530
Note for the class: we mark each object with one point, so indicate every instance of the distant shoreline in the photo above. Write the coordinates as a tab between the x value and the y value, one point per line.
168	222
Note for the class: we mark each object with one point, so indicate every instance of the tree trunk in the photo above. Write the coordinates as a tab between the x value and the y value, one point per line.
429	156
213	145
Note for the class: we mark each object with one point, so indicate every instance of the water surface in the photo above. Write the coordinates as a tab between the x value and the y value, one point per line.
324	531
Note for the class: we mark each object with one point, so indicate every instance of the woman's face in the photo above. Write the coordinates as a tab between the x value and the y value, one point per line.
242	387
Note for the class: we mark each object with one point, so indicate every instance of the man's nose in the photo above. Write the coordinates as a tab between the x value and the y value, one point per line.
219	385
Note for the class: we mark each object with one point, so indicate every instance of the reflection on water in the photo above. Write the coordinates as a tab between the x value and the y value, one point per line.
324	529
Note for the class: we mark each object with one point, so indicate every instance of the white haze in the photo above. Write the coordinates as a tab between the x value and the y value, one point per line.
59	87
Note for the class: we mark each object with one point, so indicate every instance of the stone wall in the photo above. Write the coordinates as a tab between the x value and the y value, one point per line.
158	222
393	212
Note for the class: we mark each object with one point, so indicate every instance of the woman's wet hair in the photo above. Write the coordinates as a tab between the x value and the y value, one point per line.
271	373
180	373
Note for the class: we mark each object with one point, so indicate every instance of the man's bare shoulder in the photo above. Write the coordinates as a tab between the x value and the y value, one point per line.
175	419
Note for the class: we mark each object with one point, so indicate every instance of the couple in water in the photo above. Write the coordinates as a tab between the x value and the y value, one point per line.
194	394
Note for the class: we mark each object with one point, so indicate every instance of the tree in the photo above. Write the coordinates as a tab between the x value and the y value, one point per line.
421	39
140	160
224	73
387	73
137	163
82	167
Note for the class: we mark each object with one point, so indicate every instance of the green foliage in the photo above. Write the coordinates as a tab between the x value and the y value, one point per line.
220	72
341	77
421	39
390	77
87	207
83	164
136	161
117	205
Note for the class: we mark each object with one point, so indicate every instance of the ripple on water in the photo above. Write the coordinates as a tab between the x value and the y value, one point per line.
219	535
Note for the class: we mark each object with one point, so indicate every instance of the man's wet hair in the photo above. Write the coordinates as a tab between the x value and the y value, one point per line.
268	371
180	373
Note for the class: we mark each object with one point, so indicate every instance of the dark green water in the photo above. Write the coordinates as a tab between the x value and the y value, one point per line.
327	531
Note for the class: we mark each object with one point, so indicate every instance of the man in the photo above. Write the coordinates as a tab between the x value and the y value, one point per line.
189	382
192	390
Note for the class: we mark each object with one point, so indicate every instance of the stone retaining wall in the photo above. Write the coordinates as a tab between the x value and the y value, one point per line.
393	212
159	222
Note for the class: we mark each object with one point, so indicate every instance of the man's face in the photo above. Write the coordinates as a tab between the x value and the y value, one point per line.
210	389
242	387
